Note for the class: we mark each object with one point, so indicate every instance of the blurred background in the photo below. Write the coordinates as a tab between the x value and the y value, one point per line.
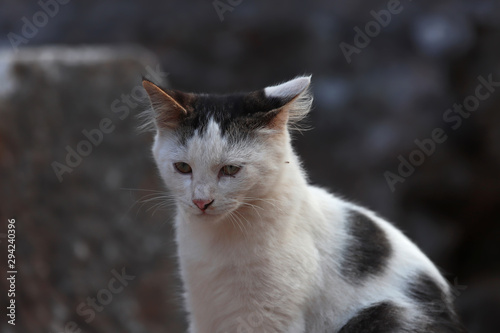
406	121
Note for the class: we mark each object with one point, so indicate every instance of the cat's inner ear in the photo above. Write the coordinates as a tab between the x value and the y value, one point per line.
169	106
295	101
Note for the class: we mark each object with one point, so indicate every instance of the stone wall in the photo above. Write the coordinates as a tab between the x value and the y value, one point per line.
77	177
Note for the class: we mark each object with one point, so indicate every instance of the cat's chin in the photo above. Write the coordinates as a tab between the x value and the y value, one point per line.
212	216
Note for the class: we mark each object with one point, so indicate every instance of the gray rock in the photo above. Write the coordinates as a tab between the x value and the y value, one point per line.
443	35
75	229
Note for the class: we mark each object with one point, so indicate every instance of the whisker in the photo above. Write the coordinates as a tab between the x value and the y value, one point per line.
233	218
160	205
165	199
242	223
273	202
140	189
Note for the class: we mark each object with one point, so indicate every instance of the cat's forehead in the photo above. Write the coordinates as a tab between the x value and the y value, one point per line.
237	116
211	147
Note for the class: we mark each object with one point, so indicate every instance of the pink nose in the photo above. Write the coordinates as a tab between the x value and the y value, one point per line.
203	203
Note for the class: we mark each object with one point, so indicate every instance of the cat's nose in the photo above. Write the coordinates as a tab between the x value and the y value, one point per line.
203	203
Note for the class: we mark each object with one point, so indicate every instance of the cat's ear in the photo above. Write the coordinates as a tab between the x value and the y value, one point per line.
295	101
169	107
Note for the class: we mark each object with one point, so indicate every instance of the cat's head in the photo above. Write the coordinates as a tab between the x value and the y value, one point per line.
217	153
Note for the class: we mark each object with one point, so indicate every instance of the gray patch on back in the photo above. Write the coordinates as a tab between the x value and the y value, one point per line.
367	250
383	317
435	303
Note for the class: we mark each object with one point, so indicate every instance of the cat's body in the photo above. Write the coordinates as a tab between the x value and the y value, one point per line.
260	249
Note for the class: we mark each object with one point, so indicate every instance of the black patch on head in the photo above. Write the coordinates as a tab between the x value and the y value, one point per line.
435	304
367	251
383	317
238	115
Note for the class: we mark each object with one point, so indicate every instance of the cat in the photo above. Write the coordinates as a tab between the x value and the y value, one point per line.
262	250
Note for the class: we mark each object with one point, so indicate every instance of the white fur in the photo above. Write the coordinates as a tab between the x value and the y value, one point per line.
290	88
296	92
266	254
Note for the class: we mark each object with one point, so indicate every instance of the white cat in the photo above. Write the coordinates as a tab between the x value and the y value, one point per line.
260	249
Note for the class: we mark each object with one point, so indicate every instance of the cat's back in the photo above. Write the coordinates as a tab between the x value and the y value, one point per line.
372	273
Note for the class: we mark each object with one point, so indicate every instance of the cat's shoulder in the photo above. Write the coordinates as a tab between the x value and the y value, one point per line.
369	244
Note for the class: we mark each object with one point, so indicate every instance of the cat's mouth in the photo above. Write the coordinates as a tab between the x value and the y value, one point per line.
212	212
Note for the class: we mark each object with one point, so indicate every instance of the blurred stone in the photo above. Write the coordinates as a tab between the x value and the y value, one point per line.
332	92
74	229
486	12
443	35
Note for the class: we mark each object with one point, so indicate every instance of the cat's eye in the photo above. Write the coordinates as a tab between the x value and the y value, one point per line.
183	167
229	170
